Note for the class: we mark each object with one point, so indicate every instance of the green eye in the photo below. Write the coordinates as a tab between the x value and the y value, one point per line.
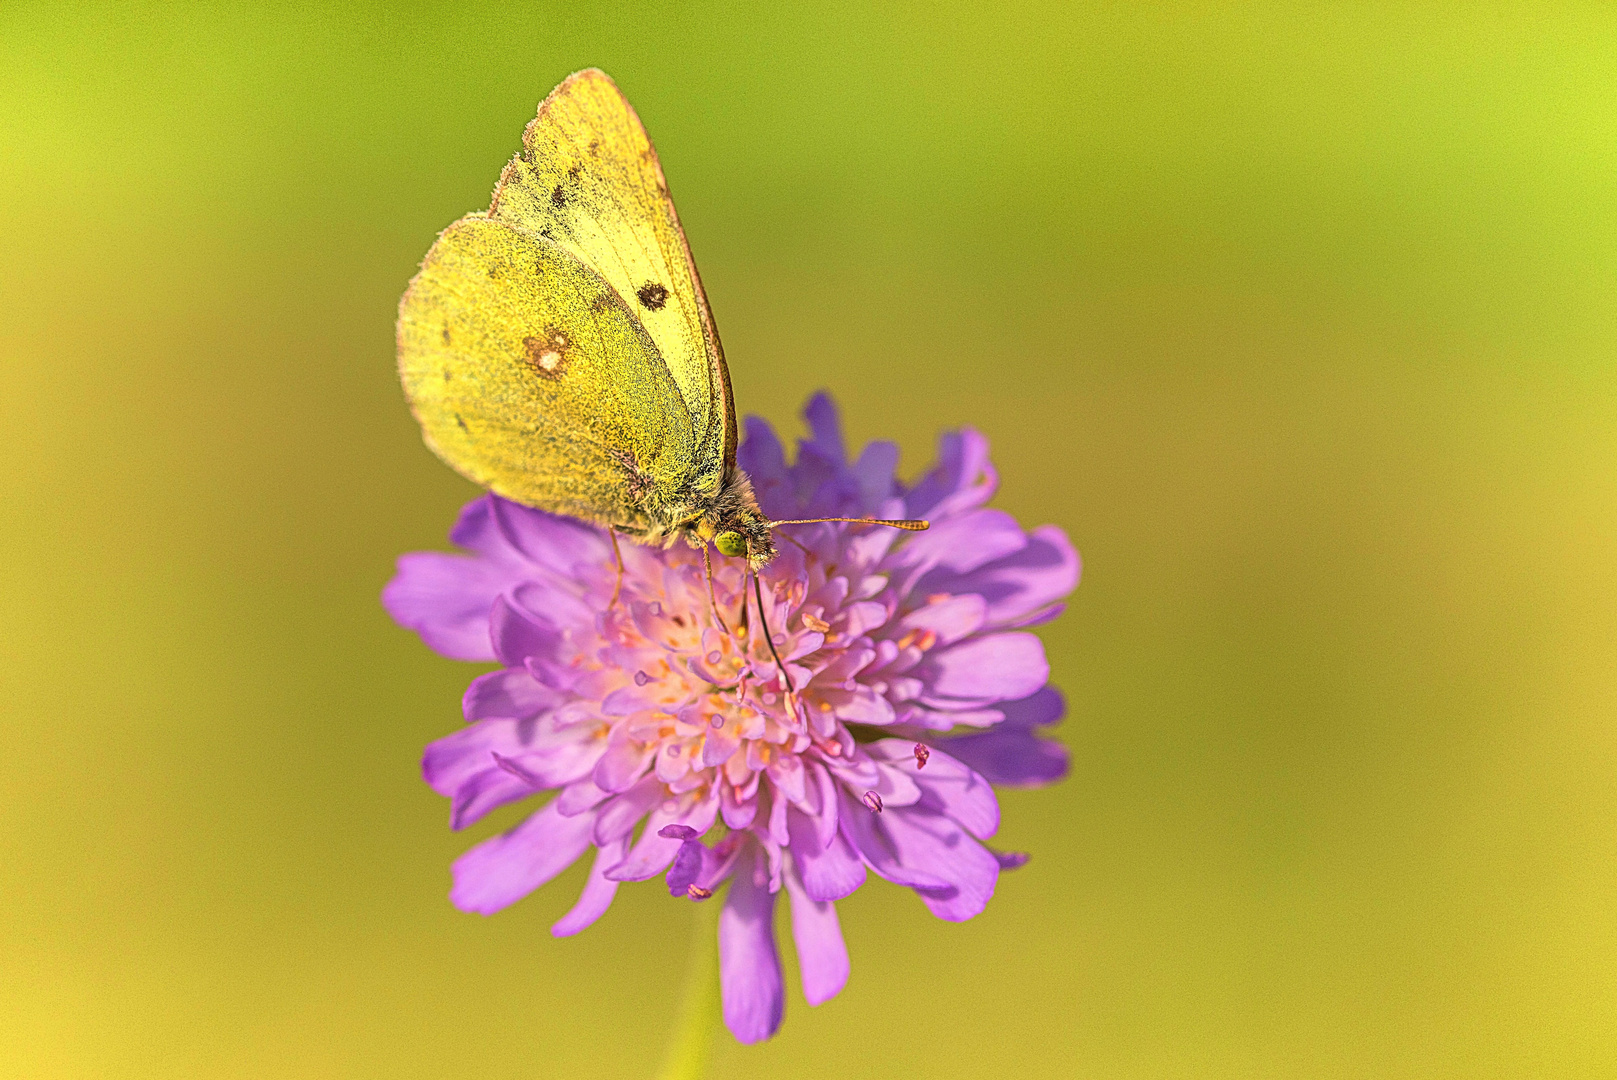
731	543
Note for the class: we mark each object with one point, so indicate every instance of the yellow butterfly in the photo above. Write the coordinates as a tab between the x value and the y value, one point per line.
558	348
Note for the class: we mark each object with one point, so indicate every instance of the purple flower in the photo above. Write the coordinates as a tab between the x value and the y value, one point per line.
914	686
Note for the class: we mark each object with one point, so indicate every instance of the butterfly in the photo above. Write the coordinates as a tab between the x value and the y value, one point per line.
559	350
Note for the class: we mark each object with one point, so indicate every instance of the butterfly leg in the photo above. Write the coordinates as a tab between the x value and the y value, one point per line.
712	597
617	555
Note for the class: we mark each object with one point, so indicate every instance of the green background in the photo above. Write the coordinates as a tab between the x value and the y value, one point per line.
1299	320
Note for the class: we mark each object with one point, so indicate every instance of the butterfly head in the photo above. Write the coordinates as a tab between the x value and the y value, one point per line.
734	524
745	536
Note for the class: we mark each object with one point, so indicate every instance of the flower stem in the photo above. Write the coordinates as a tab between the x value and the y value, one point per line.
691	1048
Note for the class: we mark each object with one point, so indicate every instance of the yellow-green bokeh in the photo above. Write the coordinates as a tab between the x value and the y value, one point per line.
1299	320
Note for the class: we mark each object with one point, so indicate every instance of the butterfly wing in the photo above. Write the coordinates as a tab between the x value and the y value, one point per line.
588	180
531	376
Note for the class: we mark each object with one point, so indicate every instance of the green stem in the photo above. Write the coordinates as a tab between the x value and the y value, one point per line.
691	1048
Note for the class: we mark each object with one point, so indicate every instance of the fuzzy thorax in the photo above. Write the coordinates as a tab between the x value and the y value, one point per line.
733	522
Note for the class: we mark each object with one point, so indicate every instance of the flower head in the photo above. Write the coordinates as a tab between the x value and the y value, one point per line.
901	684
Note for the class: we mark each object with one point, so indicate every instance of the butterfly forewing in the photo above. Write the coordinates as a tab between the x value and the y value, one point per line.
589	181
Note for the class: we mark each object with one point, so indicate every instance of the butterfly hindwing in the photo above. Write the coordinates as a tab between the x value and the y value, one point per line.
589	181
531	376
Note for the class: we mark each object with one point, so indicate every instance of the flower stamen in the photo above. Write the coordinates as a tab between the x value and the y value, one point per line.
769	638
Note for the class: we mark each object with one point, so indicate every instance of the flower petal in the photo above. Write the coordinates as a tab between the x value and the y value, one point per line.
718	743
446	599
653	852
1045	706
959	545
556	603
996	667
764	461
825	786
454	759
738	810
518	635
1011	753
624	760
1010	757
566	547
1020	583
749	966
510	692
467	764
962	479
598	892
825	427
867	835
619	815
822	956
947	785
865	706
950	619
862	616
931	843
578	797
502	870
821	476
828	873
874	472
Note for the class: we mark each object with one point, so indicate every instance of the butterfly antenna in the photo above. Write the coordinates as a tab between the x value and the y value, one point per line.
785	679
617	555
907	524
712	597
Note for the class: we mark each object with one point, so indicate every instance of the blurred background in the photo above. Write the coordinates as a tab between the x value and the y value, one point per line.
1299	320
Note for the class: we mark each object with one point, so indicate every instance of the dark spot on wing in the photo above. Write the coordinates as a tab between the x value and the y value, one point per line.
595	147
446	335
546	233
462	424
448	375
558	197
572	173
547	356
652	295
